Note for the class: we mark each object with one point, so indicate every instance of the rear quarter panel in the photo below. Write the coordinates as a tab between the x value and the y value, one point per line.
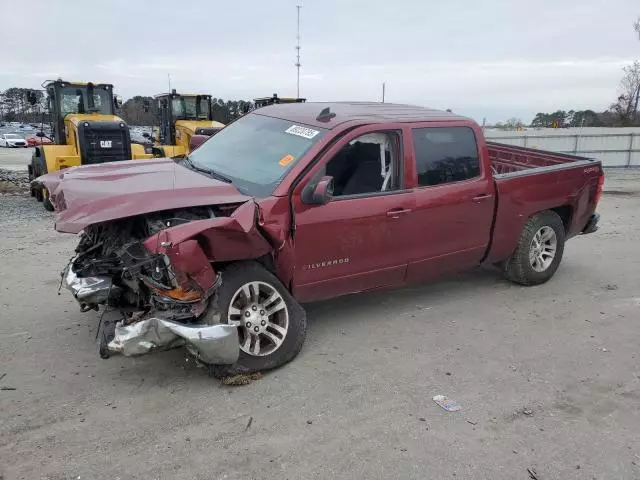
521	196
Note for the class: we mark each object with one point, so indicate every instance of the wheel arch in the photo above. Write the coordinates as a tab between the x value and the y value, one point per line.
565	212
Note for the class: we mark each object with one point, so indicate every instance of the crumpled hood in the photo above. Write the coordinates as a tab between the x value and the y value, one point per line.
93	194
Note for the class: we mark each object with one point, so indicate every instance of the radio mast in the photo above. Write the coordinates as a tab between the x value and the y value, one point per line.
298	64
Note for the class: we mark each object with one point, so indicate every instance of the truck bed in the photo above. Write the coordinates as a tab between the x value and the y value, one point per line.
529	181
508	159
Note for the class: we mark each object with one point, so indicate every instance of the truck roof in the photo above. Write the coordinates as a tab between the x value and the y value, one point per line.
373	112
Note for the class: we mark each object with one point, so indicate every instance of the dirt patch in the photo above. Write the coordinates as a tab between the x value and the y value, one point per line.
11	188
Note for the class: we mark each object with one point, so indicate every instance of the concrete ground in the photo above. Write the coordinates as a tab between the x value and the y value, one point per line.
548	377
15	158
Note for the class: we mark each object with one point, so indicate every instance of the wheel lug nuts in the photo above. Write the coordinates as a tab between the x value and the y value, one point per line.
263	323
246	314
248	324
256	329
261	312
254	308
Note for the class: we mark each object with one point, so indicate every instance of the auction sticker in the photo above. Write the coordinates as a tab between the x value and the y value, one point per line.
286	160
302	131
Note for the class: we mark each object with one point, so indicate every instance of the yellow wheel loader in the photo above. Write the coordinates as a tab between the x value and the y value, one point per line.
85	131
181	117
275	99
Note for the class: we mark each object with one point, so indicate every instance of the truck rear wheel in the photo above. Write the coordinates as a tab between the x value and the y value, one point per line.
272	326
539	250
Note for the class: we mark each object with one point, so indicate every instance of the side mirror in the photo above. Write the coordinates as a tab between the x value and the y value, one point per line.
319	194
40	134
117	102
196	140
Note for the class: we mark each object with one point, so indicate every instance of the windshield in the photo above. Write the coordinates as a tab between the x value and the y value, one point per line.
12	135
185	108
74	100
255	152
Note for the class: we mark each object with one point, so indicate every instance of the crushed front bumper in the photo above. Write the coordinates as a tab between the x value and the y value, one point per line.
88	291
213	344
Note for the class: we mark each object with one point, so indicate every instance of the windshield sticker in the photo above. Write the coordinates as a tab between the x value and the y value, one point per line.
302	131
286	160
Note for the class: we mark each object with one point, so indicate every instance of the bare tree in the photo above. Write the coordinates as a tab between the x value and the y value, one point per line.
627	105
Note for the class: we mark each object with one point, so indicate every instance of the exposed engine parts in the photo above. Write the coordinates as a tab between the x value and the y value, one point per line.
157	273
113	268
114	252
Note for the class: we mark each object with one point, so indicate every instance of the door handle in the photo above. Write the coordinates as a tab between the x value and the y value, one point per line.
480	198
397	212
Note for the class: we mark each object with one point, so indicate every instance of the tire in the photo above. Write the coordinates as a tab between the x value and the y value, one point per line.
39	194
32	191
519	267
48	206
234	277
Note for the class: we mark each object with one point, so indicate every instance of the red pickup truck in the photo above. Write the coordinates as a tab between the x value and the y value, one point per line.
302	202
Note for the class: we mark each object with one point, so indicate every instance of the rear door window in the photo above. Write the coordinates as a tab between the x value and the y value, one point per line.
445	155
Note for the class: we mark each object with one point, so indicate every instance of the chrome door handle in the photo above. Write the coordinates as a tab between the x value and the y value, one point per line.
397	212
480	198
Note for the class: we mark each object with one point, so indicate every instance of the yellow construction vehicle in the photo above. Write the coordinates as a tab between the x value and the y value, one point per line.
181	117
84	130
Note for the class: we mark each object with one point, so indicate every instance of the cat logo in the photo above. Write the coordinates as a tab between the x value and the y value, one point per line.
105	143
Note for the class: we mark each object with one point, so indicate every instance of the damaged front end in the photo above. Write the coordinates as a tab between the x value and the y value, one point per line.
156	271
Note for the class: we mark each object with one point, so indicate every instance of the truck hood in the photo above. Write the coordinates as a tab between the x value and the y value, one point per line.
92	194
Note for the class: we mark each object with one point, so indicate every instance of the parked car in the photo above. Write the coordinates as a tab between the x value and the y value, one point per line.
294	203
35	140
12	140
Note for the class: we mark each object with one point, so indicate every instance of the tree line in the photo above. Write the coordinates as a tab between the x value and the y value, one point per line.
141	110
16	106
624	112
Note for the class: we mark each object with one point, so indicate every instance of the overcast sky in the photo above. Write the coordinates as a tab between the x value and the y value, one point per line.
494	58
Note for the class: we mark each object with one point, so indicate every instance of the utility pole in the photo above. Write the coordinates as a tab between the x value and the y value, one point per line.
298	64
383	88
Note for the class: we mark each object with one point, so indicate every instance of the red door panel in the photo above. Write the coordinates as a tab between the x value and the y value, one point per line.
453	227
452	219
351	245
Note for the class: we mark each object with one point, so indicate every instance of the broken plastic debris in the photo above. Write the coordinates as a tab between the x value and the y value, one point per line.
446	403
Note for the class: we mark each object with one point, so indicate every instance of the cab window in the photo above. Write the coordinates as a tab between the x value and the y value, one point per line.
445	155
366	165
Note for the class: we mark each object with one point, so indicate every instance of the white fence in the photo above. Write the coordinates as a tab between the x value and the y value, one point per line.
615	147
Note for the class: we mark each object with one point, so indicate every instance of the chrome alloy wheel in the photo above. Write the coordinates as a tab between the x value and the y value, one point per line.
542	250
262	316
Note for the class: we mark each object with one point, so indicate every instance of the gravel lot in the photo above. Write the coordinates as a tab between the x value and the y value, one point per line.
548	377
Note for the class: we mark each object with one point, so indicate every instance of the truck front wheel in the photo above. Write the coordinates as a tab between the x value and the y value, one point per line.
539	250
271	325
